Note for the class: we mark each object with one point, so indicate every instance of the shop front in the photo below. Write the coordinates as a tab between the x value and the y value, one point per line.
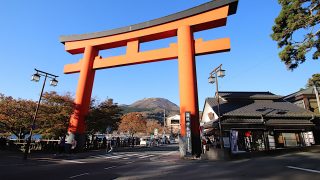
247	140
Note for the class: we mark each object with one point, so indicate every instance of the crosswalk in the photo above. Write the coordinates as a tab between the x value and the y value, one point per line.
123	156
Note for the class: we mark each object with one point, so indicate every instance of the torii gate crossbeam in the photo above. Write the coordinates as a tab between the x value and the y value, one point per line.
182	24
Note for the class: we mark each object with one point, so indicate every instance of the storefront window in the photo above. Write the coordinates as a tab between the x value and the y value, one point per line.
288	139
247	140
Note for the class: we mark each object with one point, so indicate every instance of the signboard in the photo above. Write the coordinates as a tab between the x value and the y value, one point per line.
226	142
272	143
234	141
188	132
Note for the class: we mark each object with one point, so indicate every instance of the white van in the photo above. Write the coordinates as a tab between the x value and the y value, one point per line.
145	141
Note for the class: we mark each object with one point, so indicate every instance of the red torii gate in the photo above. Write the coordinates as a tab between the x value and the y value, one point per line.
182	24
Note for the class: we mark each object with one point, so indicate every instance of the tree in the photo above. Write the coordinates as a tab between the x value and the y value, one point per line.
132	123
16	115
153	124
315	79
297	17
54	114
102	116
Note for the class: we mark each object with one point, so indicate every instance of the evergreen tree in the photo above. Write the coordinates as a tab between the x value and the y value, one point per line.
102	116
297	31
314	80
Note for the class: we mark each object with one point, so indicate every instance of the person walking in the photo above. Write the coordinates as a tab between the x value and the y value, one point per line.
62	144
204	146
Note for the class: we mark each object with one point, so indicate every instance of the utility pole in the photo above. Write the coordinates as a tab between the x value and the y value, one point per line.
164	117
317	95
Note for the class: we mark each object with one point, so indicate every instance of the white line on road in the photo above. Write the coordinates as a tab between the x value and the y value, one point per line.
110	167
142	157
72	161
303	169
130	162
78	175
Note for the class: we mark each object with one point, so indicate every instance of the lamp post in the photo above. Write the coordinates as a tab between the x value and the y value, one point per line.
36	77
213	78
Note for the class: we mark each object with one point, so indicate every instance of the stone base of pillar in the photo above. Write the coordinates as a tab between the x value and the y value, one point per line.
182	146
75	142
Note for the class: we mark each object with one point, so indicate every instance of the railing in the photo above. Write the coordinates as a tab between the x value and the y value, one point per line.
51	145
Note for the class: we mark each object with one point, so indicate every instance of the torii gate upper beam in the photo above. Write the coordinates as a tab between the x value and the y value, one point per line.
206	16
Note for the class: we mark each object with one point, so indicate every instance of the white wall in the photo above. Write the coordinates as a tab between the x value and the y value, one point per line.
207	109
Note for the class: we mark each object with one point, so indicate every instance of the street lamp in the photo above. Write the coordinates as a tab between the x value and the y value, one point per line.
36	77
213	78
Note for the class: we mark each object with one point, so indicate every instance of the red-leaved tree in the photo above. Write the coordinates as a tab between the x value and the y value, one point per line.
132	123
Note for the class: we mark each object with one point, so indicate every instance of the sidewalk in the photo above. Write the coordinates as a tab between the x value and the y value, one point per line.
219	154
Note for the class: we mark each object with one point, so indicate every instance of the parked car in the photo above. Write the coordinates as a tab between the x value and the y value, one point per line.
145	141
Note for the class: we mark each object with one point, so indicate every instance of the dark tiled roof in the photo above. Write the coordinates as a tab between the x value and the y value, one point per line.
242	121
247	95
224	106
270	109
273	122
308	91
258	108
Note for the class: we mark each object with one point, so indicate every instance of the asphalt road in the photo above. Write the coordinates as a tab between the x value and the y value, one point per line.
157	163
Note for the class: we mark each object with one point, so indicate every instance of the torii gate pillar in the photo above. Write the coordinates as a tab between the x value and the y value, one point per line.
83	97
188	86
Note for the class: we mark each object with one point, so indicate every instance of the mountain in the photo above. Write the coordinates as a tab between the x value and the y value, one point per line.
153	108
155	103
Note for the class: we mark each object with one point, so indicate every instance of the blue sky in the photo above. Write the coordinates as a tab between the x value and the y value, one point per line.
30	33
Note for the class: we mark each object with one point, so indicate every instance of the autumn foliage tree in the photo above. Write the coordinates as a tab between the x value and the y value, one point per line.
132	123
16	115
153	124
54	114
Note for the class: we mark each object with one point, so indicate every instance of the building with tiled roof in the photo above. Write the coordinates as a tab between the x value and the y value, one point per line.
307	99
270	121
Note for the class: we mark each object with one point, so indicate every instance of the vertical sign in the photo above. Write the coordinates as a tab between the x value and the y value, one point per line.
188	132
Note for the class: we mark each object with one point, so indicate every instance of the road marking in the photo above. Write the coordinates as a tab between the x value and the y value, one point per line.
72	161
110	167
124	156
303	169
78	175
169	153
146	156
130	162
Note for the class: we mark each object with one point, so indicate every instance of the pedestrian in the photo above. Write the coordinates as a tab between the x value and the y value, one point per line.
118	142
3	143
133	141
62	143
104	142
204	146
95	143
209	143
73	146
